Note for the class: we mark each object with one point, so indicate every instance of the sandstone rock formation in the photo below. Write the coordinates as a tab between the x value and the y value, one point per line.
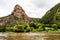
20	13
10	20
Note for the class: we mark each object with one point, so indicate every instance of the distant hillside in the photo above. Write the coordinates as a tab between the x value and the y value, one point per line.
52	16
35	20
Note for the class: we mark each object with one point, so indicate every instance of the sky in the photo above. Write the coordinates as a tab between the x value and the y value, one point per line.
33	8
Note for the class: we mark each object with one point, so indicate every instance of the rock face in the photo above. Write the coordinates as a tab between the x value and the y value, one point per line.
20	13
10	20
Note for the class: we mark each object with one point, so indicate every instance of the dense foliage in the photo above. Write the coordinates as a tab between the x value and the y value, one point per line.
50	16
32	27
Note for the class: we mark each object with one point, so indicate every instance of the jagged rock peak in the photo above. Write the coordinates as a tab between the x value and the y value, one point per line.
20	13
17	7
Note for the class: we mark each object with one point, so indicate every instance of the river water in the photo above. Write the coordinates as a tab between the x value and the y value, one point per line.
30	36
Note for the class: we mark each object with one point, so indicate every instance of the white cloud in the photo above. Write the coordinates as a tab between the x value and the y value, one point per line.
33	8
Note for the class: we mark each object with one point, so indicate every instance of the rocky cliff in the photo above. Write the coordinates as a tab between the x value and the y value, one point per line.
18	13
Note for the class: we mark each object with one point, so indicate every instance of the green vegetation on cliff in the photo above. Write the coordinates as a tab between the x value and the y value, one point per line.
52	16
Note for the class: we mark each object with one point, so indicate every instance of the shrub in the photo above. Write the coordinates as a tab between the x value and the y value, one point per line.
1	29
32	24
20	28
28	29
55	26
40	27
33	30
49	29
8	29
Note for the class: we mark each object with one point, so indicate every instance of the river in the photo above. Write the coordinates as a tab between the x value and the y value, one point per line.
30	36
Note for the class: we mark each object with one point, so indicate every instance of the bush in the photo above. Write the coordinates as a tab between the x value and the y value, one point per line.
28	29
8	29
33	30
1	29
49	29
20	28
40	27
55	26
32	25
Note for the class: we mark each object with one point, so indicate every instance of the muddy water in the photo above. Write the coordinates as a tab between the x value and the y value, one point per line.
30	36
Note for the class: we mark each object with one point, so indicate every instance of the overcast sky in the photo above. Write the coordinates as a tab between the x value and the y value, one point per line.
33	8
